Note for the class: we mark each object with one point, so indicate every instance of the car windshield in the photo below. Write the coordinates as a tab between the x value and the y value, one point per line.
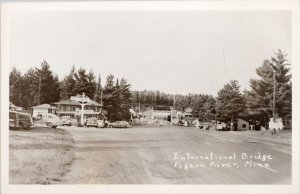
21	116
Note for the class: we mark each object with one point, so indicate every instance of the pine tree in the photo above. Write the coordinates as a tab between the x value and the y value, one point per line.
67	85
110	97
98	92
49	84
15	87
30	84
84	83
125	98
260	97
230	100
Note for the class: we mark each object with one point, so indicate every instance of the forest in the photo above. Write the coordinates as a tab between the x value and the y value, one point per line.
41	85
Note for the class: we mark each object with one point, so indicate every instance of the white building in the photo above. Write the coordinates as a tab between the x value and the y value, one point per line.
81	106
42	109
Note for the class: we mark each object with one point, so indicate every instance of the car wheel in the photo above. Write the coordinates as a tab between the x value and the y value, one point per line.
25	126
50	125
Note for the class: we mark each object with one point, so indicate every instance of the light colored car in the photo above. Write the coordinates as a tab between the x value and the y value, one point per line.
101	123
20	120
66	120
91	122
53	121
119	124
50	120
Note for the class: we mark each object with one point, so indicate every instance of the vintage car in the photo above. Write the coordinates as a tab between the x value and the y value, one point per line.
91	122
20	120
50	120
101	123
66	120
119	124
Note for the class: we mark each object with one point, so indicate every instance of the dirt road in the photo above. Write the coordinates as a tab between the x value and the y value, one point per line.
176	155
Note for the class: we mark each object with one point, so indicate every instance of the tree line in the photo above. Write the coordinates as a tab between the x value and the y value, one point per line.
40	85
257	103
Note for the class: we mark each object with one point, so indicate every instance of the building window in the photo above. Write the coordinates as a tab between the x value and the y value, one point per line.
243	125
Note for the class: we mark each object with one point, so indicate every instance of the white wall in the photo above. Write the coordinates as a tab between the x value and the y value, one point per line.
36	111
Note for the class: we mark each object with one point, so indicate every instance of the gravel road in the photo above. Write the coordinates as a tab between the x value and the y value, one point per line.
176	155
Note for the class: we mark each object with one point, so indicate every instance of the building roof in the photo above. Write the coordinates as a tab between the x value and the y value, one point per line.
67	102
44	106
76	103
243	120
162	108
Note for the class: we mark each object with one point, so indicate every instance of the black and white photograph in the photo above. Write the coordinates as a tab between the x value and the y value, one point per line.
105	95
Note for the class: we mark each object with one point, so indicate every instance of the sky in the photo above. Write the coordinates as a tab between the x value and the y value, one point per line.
177	52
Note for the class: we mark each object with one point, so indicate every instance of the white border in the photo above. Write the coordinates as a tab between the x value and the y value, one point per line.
7	8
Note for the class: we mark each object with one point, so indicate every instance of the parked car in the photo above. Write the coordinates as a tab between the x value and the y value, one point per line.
66	120
74	122
101	123
119	124
20	120
91	122
50	120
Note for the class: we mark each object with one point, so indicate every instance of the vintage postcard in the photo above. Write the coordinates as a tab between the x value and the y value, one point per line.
150	97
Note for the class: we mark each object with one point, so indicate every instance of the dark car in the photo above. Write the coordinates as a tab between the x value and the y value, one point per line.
119	124
20	120
91	122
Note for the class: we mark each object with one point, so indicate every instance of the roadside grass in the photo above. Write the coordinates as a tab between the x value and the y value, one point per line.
39	156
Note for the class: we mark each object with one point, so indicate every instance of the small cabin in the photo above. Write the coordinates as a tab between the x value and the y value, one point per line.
242	125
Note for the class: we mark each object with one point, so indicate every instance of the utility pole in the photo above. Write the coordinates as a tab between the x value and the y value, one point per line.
171	115
139	108
82	100
39	92
174	101
152	116
101	102
274	90
216	113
